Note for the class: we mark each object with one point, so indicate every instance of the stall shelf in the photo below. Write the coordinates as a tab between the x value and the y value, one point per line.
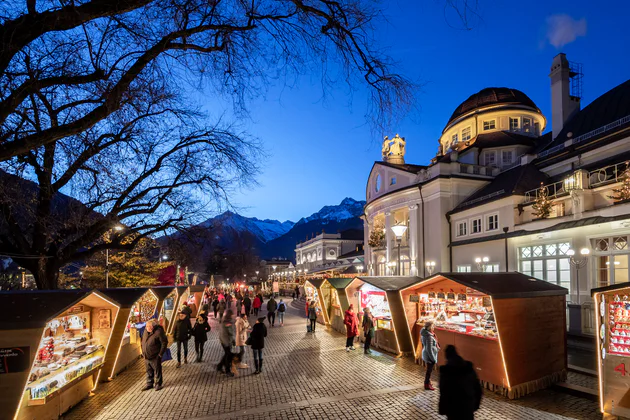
52	348
336	301
312	289
382	295
511	326
612	314
137	306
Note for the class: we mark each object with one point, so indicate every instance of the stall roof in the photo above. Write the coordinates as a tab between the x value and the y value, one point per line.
32	309
504	285
392	283
316	282
340	283
611	287
125	296
163	291
181	289
197	288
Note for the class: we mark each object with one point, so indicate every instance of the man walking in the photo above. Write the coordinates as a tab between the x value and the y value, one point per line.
272	306
227	336
247	302
181	334
153	344
297	292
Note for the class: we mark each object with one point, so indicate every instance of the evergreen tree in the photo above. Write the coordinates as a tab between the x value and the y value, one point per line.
623	192
542	205
377	236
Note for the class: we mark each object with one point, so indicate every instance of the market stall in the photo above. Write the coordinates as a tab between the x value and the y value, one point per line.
336	301
195	298
167	306
313	293
381	295
137	306
52	348
511	326
612	315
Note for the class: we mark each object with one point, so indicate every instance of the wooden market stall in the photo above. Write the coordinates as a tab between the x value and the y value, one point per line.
312	292
195	298
335	301
511	326
137	306
382	296
52	348
167	297
612	314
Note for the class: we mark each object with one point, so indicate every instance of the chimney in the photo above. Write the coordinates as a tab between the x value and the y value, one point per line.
563	105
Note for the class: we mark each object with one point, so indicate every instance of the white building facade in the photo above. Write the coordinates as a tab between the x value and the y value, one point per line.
472	208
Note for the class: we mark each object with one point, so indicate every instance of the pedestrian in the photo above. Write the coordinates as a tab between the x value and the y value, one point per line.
242	326
204	311
227	339
297	292
282	308
181	334
257	340
430	348
312	315
368	329
352	327
153	344
221	307
228	300
187	310
239	303
272	307
460	389
215	305
200	332
247	302
257	304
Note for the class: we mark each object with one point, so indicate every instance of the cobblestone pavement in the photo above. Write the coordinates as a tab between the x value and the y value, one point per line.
306	376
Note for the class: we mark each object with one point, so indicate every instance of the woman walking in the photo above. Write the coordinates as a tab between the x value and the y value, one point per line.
200	332
312	315
368	329
352	327
257	340
242	325
257	304
430	348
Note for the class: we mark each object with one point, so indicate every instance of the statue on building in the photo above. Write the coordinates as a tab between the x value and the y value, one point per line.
394	150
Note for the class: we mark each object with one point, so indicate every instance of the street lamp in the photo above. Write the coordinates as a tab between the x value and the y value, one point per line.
257	275
360	268
481	263
399	231
117	228
578	262
391	266
430	266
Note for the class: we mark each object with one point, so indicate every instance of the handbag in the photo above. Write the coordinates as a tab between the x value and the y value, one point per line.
248	342
166	356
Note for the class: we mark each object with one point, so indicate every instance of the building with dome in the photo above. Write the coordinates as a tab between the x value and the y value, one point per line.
510	189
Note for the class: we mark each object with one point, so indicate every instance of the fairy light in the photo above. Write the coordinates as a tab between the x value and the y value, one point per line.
496	322
600	374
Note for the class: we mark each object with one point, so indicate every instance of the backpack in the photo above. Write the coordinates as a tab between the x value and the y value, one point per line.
281	307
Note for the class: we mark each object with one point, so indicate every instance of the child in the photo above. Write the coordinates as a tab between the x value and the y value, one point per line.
200	332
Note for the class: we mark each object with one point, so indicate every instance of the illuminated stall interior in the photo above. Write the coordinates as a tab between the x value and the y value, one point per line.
167	309
313	293
503	323
183	295
138	305
336	301
58	341
612	307
195	298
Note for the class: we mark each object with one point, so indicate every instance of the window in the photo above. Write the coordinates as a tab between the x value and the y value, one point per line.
462	228
393	181
475	226
514	124
489	125
377	183
527	125
454	140
507	156
559	209
466	134
491	268
611	259
492	222
548	262
490	158
464	268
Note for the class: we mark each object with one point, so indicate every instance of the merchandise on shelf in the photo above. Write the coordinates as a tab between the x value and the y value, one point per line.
376	299
141	312
618	326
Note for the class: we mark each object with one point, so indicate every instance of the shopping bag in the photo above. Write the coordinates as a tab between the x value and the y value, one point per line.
166	356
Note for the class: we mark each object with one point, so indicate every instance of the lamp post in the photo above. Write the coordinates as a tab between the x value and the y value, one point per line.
481	263
430	266
391	266
117	228
360	268
399	231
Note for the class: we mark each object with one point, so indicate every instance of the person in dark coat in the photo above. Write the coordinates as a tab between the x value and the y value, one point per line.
272	307
200	332
257	341
187	310
460	389
297	292
430	351
215	305
368	329
153	344
181	334
247	302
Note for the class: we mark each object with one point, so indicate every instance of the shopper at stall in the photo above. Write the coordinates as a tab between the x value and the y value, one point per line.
282	308
247	303
221	308
272	307
227	338
460	389
242	326
352	327
368	329
257	341
181	334
257	304
312	315
153	344
430	348
200	332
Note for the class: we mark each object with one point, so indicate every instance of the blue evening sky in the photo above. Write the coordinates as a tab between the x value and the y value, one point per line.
321	150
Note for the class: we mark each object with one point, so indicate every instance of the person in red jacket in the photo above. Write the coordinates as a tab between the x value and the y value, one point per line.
352	327
257	304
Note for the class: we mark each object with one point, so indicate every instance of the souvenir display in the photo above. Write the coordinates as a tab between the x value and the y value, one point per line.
376	300
141	312
618	326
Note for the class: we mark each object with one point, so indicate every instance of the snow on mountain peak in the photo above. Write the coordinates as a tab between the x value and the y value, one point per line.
265	230
347	209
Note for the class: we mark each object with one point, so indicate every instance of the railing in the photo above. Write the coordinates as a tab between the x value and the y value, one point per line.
553	190
465	168
607	175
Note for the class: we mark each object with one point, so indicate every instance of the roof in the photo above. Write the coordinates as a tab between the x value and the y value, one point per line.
608	108
163	291
407	167
392	283
501	139
491	96
316	282
351	254
517	180
340	283
617	286
352	234
32	309
504	285
125	296
181	290
197	287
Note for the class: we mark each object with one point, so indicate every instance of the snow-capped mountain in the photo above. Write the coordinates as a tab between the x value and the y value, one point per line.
347	209
264	230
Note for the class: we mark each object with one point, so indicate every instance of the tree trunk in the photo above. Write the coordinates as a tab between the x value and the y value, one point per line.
46	274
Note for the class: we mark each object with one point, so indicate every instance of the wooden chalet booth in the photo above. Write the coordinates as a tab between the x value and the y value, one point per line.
382	296
511	326
333	293
137	306
612	314
182	295
166	305
313	293
52	347
195	298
